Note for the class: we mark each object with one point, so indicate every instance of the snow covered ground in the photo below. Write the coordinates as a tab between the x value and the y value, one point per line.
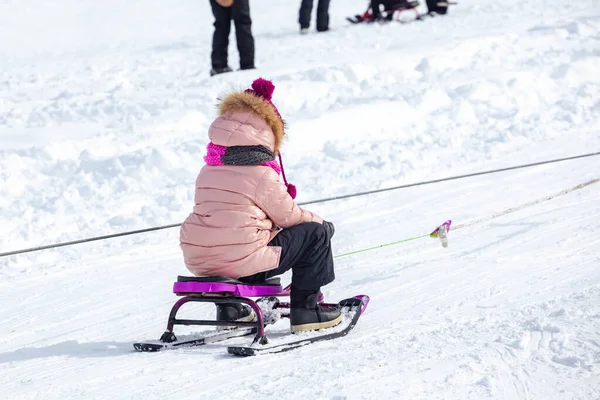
104	108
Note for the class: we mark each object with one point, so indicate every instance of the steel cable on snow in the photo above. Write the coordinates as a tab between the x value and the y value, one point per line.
529	204
478	220
370	192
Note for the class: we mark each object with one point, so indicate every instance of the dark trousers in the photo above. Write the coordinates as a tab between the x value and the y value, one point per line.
239	12
322	14
375	8
433	7
388	6
306	250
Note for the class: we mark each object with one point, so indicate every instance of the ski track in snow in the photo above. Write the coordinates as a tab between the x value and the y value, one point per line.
103	116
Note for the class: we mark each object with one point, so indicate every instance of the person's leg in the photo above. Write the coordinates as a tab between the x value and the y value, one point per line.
323	16
432	7
305	13
306	250
243	32
220	41
298	245
375	13
314	270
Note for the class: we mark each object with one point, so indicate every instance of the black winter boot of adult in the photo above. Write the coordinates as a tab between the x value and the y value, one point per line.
218	71
234	312
306	314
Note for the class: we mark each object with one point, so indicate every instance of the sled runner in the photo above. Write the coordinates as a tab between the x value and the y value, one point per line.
267	307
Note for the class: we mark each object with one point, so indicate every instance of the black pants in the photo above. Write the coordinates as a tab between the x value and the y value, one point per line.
306	250
239	12
322	14
388	5
433	7
375	8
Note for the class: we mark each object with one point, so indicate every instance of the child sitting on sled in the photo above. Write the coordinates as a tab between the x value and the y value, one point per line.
245	224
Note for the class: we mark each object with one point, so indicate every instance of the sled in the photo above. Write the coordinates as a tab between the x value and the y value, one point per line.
391	12
267	307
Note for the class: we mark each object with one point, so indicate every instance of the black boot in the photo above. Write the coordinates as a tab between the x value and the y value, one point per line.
234	312
218	71
306	314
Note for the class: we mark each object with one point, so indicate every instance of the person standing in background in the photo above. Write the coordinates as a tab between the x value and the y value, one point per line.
224	12
322	15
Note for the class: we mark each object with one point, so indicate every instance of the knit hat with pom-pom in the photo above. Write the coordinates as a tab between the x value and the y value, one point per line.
264	89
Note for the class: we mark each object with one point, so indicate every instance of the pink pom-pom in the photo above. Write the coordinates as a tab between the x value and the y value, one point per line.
291	189
263	88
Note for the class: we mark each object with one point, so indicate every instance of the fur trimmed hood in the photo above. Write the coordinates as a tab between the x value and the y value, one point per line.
258	102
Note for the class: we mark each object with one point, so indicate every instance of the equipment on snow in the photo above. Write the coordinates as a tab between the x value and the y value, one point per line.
394	8
442	232
351	308
267	309
392	11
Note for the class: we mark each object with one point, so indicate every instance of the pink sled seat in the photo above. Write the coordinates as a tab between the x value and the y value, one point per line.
224	285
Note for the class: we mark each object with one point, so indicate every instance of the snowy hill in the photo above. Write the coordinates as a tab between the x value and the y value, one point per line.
104	108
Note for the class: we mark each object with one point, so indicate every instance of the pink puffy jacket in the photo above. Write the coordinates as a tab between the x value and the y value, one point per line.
238	208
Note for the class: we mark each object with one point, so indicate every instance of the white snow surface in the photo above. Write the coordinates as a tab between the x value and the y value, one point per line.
104	109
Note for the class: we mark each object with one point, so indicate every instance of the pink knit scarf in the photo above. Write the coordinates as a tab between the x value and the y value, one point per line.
216	155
